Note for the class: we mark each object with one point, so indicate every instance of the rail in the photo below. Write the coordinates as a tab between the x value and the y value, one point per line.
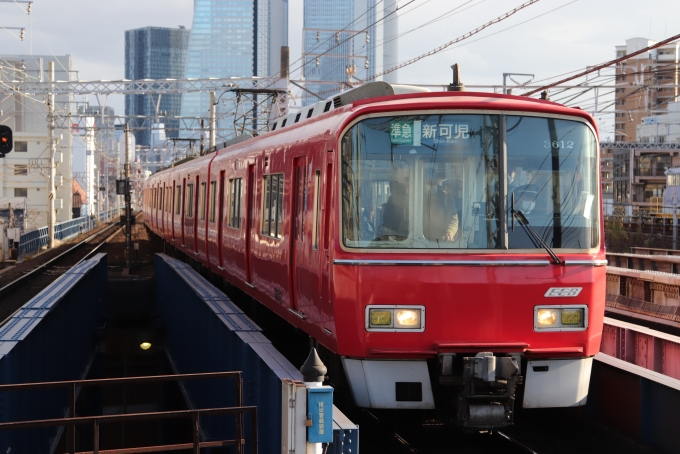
72	421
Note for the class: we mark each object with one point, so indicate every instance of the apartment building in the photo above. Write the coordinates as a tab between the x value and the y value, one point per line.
645	84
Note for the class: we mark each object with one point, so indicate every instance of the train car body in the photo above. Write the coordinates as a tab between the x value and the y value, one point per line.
397	232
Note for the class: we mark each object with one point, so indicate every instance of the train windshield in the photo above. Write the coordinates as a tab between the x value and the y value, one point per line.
432	181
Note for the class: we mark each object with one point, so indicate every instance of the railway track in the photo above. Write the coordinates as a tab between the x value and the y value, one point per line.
386	431
18	292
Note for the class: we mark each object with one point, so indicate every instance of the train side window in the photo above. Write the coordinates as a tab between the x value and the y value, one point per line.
213	198
178	199
235	203
272	204
201	202
189	202
317	200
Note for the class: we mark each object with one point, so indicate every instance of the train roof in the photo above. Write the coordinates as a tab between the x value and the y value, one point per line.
377	97
382	96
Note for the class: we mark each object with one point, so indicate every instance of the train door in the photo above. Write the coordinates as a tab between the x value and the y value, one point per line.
298	252
250	211
220	219
196	214
171	215
326	243
184	207
162	209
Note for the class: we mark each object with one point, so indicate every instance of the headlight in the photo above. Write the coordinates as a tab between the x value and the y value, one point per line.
395	318
561	318
546	317
408	318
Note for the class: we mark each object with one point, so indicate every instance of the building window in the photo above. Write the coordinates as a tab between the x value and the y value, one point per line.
272	204
20	192
20	169
21	146
235	203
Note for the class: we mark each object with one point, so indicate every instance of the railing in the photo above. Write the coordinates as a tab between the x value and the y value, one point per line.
108	214
72	421
31	242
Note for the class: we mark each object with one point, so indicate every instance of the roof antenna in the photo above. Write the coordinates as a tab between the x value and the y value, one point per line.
457	85
545	96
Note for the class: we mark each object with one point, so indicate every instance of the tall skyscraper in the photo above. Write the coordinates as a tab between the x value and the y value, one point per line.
234	38
155	53
347	42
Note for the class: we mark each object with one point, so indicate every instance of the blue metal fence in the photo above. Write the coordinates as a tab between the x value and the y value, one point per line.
67	229
108	214
31	242
206	332
49	339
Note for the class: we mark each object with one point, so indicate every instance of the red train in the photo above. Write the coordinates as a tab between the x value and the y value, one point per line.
447	247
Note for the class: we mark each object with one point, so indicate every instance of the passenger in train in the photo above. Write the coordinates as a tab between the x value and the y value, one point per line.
440	213
368	231
395	216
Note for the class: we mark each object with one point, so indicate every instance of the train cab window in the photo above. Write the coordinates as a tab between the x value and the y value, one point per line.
189	202
213	198
178	199
201	202
432	181
272	204
234	203
552	180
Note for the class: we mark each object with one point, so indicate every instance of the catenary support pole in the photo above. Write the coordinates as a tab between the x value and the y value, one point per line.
128	199
52	140
213	121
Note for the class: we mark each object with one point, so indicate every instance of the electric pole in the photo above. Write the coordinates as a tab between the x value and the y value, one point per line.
52	140
128	199
213	121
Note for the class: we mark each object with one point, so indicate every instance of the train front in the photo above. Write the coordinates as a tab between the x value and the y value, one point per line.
470	268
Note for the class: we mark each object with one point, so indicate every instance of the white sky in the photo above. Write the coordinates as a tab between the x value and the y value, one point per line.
582	33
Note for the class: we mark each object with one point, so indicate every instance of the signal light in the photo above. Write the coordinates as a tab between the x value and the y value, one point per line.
6	142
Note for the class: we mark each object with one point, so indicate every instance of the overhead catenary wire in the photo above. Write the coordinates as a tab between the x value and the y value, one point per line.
460	38
604	65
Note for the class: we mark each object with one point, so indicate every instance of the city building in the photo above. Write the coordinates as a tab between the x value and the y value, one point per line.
633	176
233	38
25	170
155	53
662	128
347	42
96	164
645	85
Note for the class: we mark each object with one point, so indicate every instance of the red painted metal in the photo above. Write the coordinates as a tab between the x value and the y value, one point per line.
468	308
644	347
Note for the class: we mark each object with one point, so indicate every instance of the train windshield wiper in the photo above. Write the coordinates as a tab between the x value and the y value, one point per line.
524	222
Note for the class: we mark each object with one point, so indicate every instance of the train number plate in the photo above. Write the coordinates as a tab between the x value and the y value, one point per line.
564	292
